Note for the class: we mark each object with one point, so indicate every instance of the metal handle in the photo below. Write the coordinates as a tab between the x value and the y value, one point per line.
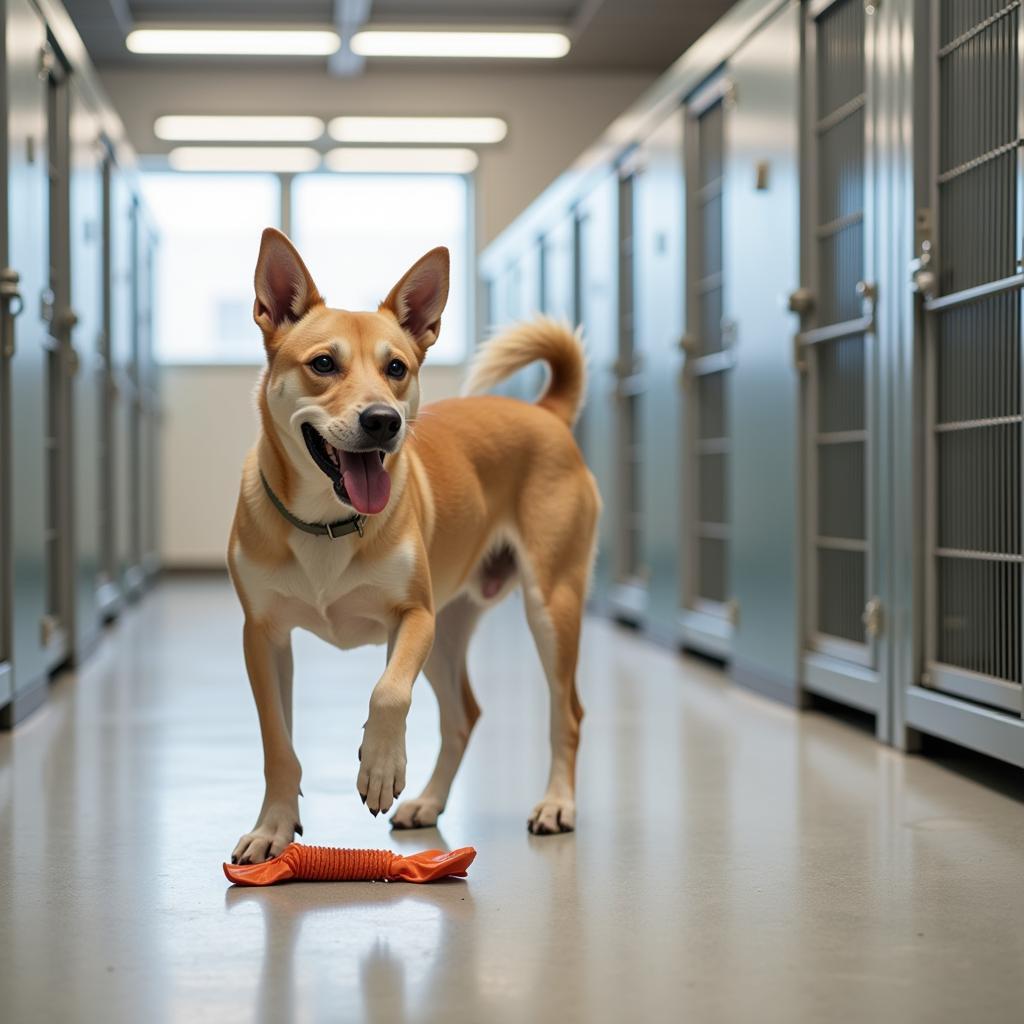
801	301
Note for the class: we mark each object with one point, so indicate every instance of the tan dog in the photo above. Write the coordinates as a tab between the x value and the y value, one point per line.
434	515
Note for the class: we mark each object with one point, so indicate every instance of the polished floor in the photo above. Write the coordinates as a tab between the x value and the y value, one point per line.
734	861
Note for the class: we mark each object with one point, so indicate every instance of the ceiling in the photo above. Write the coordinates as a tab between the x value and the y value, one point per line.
608	35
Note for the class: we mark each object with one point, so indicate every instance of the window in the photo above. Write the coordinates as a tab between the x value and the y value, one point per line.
209	226
359	233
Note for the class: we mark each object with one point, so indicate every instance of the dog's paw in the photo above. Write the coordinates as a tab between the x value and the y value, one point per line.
418	813
381	769
551	816
268	839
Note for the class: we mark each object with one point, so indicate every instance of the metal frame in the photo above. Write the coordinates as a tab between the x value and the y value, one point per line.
968	690
704	624
108	591
57	623
836	667
628	595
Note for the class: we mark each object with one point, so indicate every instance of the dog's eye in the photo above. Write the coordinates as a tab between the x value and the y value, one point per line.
323	365
396	369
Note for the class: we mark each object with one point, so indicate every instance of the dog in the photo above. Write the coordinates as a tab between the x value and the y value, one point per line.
367	520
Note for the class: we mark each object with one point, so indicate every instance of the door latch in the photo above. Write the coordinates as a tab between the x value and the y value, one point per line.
872	617
867	291
923	278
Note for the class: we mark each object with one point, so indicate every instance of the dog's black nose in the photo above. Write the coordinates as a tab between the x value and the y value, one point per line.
380	422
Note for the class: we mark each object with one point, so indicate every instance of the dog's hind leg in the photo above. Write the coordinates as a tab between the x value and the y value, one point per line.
555	619
445	670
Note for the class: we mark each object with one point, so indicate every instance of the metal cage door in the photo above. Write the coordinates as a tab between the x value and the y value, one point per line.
708	344
969	275
24	290
837	350
628	596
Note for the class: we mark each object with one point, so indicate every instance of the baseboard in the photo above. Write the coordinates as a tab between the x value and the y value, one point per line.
783	689
24	702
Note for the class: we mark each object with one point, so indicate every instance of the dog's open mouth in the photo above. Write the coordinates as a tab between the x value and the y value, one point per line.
359	478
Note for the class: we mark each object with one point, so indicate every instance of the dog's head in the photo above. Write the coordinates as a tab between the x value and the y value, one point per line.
341	388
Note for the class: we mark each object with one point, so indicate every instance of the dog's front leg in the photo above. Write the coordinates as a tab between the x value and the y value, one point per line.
269	664
382	755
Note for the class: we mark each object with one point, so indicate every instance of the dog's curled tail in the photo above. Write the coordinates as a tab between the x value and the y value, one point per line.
544	339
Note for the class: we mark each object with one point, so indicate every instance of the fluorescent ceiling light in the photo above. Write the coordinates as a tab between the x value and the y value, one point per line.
402	161
479	130
258	42
281	159
214	128
406	43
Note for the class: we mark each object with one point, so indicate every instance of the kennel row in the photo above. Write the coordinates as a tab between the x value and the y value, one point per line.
797	263
78	390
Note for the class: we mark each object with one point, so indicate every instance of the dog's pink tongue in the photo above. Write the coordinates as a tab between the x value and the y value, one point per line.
366	481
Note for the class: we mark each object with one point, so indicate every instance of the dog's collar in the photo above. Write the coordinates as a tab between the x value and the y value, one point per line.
341	528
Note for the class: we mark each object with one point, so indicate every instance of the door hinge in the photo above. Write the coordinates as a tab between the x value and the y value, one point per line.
732	612
799	355
12	303
873	617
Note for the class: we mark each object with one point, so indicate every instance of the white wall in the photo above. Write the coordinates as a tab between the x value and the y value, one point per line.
209	423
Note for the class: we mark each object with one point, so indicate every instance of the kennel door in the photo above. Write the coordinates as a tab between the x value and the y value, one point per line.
628	597
597	295
969	274
26	285
838	354
706	619
83	354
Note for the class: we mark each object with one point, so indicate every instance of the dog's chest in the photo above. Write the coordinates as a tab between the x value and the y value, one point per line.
346	601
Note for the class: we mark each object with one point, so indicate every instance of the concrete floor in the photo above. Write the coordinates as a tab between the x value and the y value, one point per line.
734	861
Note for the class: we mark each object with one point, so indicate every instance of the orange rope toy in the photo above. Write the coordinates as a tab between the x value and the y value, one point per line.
330	864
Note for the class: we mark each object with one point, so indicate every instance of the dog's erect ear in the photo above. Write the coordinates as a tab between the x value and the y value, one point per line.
418	300
284	290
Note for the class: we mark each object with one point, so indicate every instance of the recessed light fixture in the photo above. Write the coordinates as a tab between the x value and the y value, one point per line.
253	42
478	130
473	45
401	161
244	128
278	159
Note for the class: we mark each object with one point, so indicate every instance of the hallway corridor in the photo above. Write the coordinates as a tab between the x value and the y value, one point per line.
734	860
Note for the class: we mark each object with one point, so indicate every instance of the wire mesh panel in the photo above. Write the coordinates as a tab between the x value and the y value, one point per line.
973	583
710	456
630	452
838	360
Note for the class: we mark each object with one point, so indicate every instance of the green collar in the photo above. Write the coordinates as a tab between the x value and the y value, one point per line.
341	528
